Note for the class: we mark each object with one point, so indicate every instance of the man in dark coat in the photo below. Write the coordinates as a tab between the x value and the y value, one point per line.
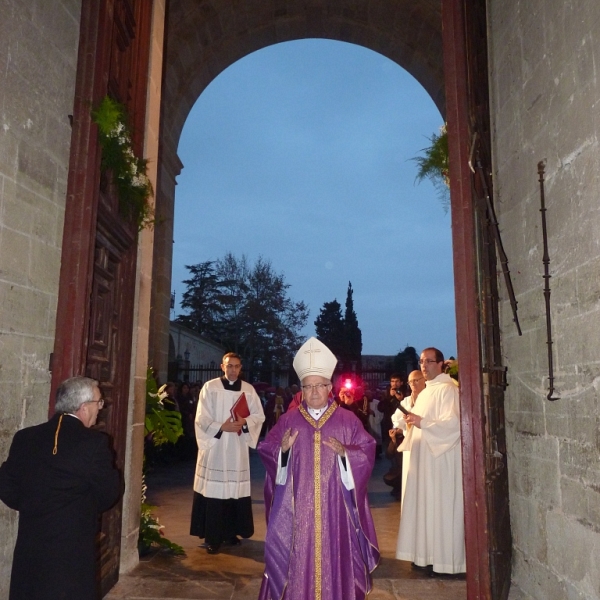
60	476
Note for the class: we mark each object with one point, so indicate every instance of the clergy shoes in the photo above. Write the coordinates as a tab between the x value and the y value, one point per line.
234	541
210	549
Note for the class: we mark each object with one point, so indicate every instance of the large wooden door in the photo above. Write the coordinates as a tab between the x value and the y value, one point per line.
97	286
476	245
488	250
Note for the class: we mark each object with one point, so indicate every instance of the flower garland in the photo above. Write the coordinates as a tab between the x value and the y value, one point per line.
128	171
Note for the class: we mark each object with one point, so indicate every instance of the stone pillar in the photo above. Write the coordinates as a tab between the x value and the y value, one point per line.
169	167
139	352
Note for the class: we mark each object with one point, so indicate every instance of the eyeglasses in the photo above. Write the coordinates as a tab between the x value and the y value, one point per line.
415	381
427	361
100	402
318	386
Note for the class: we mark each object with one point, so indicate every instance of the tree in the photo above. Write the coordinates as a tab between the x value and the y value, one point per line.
251	311
202	300
341	335
273	321
406	361
329	326
352	332
232	274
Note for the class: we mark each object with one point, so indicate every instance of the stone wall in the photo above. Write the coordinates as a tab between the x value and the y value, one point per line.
544	60
38	54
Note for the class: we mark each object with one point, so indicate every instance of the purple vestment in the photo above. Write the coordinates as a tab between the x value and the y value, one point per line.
320	541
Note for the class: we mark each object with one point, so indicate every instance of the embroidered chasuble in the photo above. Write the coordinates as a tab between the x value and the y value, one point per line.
320	541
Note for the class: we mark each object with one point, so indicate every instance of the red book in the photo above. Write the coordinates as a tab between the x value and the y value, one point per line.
240	409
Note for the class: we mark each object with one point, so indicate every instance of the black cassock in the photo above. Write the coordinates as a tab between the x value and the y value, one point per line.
59	498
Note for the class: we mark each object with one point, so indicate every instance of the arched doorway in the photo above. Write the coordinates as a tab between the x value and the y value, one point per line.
203	38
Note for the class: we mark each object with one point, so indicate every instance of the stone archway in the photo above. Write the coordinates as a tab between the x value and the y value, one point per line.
204	38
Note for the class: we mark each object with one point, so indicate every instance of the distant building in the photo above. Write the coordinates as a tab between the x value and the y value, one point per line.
376	368
192	357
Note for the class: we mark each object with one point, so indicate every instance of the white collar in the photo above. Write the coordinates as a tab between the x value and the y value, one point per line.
316	413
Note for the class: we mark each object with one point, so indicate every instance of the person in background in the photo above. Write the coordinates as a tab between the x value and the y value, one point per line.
354	400
222	508
278	409
187	403
388	405
416	382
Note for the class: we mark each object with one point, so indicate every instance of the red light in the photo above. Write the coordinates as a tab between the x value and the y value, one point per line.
348	384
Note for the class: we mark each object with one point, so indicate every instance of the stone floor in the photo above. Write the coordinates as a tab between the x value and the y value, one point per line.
235	573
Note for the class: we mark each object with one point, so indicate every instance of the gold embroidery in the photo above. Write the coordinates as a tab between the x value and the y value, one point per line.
319	424
317	496
318	524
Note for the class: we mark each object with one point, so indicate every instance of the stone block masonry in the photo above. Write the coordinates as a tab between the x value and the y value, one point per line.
38	54
544	59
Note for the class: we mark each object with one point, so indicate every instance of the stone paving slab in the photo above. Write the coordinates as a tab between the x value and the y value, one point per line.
235	573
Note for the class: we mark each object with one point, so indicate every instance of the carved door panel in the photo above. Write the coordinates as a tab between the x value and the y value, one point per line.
97	282
109	354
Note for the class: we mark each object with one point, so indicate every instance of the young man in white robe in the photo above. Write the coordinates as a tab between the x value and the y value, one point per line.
432	520
222	508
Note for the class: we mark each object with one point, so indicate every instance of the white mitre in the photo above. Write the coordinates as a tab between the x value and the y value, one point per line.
314	358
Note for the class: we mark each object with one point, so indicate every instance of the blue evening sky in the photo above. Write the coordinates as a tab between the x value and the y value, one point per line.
300	152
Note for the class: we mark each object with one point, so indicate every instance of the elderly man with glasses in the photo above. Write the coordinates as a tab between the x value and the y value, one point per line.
60	476
416	381
320	541
432	520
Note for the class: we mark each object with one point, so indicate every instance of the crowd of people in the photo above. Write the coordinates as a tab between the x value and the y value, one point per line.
318	444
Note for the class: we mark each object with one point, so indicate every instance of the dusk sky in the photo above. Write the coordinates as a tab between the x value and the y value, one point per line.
300	152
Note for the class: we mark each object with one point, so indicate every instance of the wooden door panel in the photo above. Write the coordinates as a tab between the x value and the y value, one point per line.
499	539
97	282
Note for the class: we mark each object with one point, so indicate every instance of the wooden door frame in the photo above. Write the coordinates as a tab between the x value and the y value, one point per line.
78	247
72	315
82	228
466	300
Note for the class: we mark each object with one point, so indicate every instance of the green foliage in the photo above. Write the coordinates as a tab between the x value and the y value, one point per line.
433	165
162	426
329	327
406	361
151	531
452	368
341	335
352	332
245	308
128	171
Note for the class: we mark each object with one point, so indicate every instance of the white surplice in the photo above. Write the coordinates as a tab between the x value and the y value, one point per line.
432	519
398	422
223	465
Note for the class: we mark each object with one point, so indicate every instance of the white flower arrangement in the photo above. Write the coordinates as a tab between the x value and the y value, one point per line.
129	172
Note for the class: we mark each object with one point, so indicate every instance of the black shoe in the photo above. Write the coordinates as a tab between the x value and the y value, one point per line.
234	541
433	573
212	549
427	569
